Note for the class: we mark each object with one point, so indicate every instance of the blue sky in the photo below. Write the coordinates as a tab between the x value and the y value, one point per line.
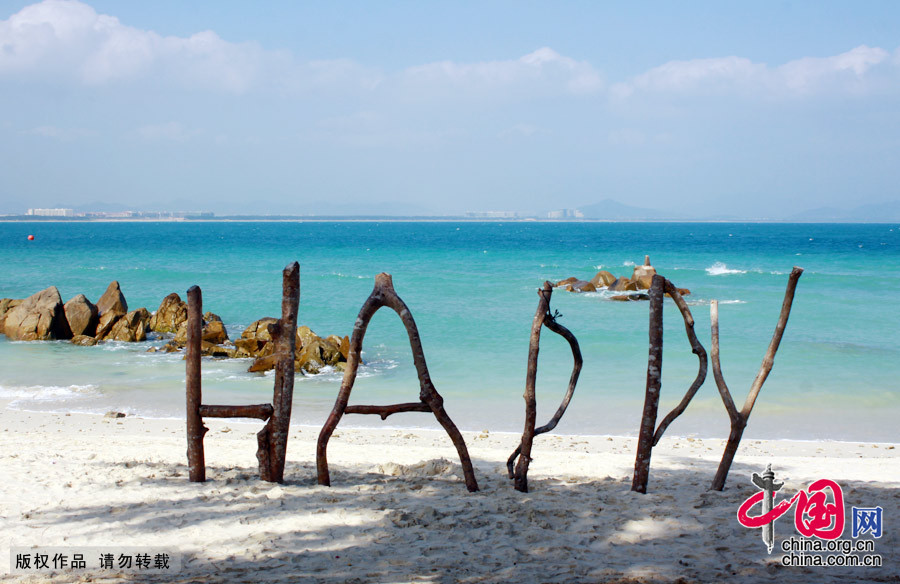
758	110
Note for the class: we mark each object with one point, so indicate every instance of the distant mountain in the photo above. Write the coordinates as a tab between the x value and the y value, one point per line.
872	213
611	210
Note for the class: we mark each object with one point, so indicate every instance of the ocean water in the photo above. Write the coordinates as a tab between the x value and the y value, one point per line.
472	289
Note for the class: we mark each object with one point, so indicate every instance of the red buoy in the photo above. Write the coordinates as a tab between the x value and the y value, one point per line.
30	238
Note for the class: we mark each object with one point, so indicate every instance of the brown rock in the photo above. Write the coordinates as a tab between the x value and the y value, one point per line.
567	281
263	364
214	332
682	291
7	304
259	330
112	301
81	315
171	313
40	317
130	328
213	350
622	285
107	321
629	297
84	340
643	275
602	279
581	286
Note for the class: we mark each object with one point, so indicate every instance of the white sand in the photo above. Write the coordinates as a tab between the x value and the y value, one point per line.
398	510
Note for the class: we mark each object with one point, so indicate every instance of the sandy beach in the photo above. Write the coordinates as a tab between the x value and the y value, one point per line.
398	510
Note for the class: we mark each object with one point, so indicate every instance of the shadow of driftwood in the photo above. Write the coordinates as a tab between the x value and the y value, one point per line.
418	523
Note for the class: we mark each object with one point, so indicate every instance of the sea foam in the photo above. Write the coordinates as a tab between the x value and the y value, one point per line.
720	269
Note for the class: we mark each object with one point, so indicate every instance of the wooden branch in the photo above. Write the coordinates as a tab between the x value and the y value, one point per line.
696	348
195	427
654	382
520	476
739	422
385	411
384	294
284	336
260	411
733	414
548	321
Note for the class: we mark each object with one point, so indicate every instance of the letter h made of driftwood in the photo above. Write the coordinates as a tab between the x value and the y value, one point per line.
272	439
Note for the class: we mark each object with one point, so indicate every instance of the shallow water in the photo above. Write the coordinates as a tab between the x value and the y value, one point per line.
471	288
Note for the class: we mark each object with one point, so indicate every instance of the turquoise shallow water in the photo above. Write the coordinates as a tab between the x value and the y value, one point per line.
471	288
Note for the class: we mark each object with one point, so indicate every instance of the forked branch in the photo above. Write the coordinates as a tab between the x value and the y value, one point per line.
740	418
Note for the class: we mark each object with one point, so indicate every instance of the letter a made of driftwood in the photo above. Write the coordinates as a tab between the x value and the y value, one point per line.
739	418
542	318
429	399
272	439
650	434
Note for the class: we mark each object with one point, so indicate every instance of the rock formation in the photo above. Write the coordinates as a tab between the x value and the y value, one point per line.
81	315
171	313
40	317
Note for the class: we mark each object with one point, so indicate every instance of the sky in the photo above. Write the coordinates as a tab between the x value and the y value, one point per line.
759	109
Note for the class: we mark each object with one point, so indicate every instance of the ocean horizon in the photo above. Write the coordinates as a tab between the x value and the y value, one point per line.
471	287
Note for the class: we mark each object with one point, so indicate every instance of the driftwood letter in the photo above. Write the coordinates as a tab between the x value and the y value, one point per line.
739	418
542	318
429	399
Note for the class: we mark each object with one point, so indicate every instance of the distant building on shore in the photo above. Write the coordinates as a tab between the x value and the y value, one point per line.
51	212
565	214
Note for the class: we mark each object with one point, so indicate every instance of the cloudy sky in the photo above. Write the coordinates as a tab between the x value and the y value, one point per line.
762	109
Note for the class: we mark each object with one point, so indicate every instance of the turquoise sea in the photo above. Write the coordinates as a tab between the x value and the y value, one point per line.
472	290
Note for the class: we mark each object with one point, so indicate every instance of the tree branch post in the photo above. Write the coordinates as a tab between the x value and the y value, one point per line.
740	418
284	336
195	428
654	383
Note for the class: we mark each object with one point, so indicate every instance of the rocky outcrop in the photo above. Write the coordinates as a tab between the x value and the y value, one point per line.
171	313
40	317
84	340
603	279
131	328
7	304
581	286
112	301
622	285
642	276
630	297
567	281
255	340
82	316
312	354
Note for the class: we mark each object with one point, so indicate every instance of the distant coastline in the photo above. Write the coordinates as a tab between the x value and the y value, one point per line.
400	219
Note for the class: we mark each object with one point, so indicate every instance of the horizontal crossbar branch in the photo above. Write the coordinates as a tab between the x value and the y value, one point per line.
385	411
260	411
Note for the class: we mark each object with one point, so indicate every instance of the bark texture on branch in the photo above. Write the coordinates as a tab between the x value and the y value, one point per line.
384	294
654	382
697	349
260	411
195	427
284	336
518	471
740	418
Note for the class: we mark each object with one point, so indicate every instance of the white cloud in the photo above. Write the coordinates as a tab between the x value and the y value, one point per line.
843	73
68	39
542	72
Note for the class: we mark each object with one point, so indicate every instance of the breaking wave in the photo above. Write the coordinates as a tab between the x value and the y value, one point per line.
720	269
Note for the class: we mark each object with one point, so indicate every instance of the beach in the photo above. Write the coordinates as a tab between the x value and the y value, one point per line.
398	511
